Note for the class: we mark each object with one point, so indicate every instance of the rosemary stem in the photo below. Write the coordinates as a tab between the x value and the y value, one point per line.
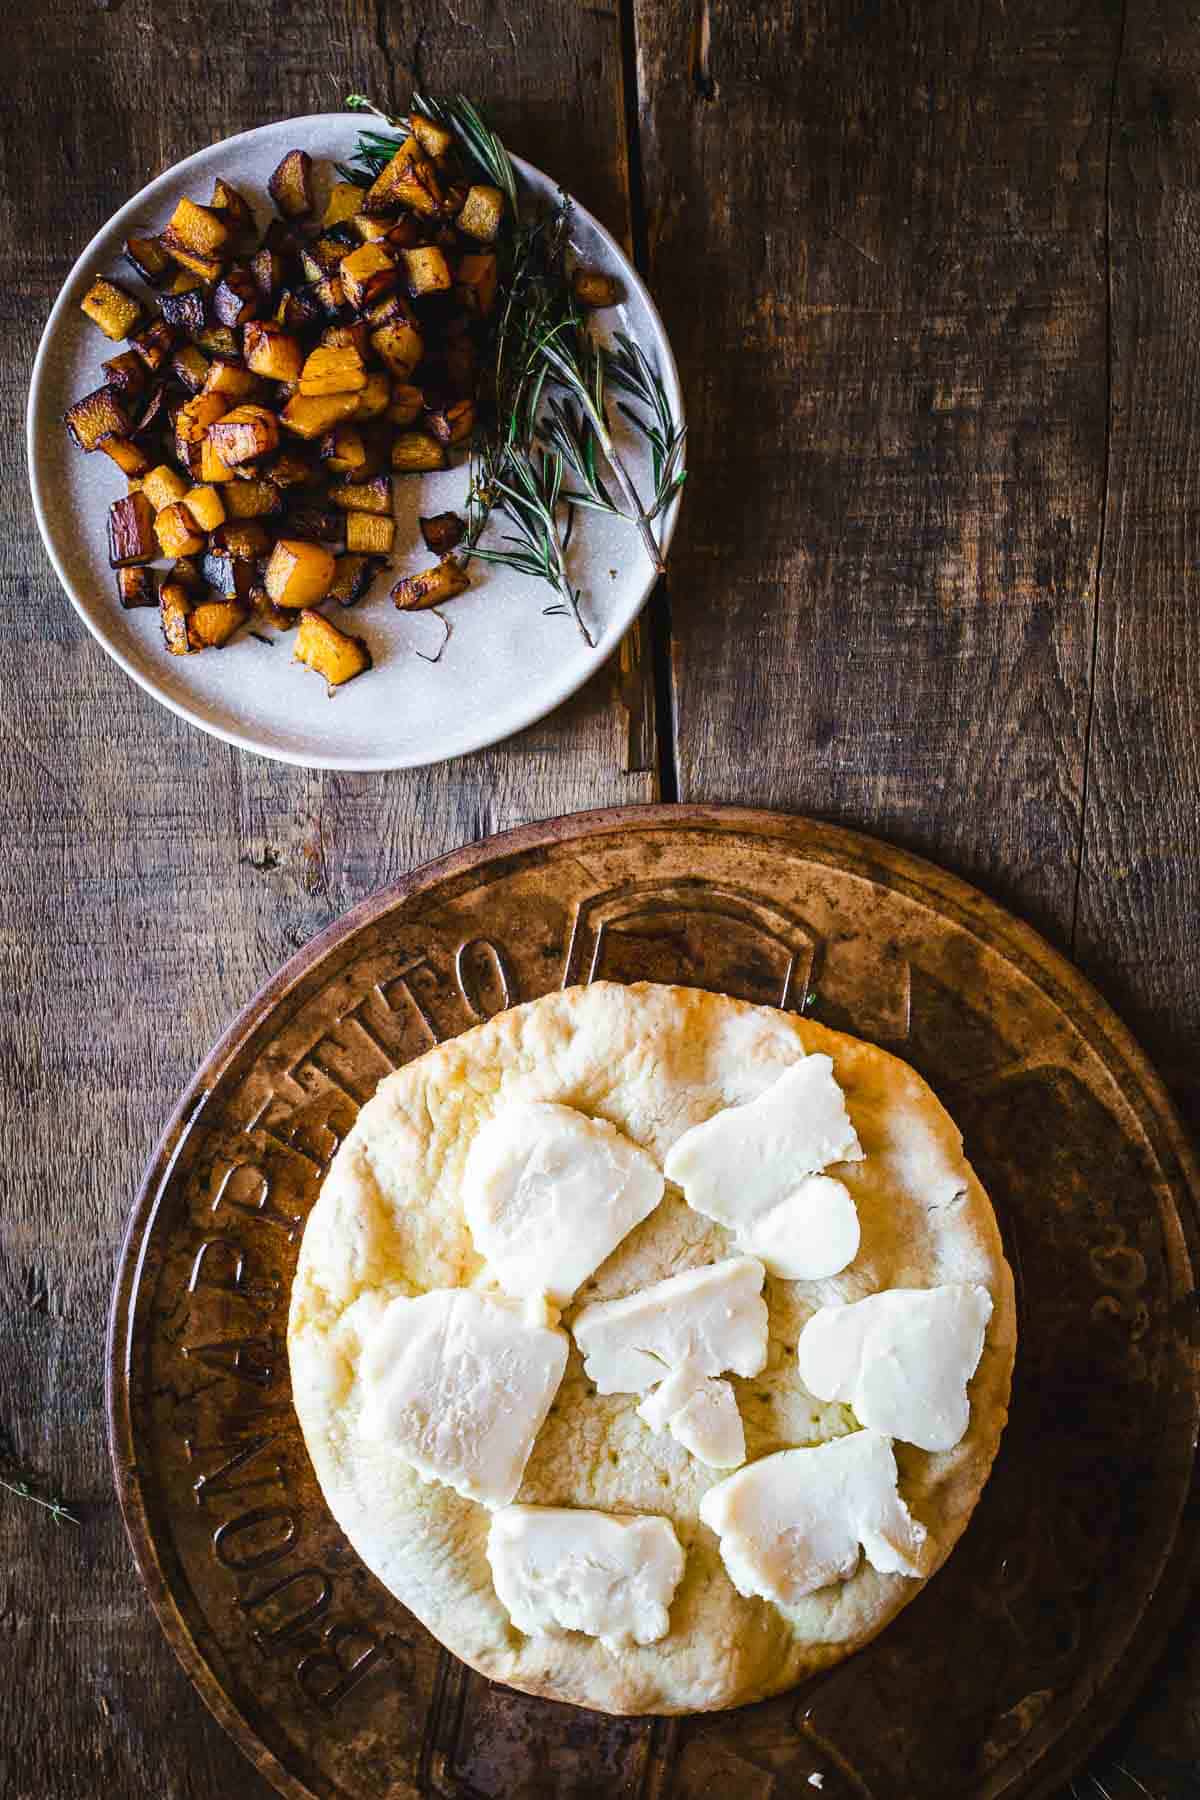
625	483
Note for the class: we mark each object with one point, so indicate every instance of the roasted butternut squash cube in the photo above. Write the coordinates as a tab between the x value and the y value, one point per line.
109	306
243	538
290	471
174	606
236	298
452	424
315	523
183	281
478	282
206	268
272	351
337	655
220	340
353	579
164	486
212	623
435	140
299	573
290	186
399	348
177	531
266	266
345	198
407	404
155	344
147	258
371	229
206	506
231	380
190	366
195	228
244	434
129	457
343	451
426	271
126	373
593	289
373	398
231	576
312	415
374	496
264	608
192	421
186	572
135	587
442	532
330	371
185	313
444	581
131	536
256	499
370	534
415	452
348	337
231	206
410	180
367	274
212	467
482	213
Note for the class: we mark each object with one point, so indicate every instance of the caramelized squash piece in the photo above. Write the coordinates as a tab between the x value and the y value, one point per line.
184	313
212	623
272	351
164	486
426	271
299	573
372	398
290	186
174	605
147	258
231	380
409	180
345	198
190	367
205	505
374	496
353	579
195	228
399	348
407	405
370	534
482	213
154	344
330	371
126	373
478	282
212	466
233	208
453	424
135	587
177	532
367	274
257	499
442	532
336	655
131	536
112	308
129	457
443	582
312	415
236	298
244	434
414	452
98	414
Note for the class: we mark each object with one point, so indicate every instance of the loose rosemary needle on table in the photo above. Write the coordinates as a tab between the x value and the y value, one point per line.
548	411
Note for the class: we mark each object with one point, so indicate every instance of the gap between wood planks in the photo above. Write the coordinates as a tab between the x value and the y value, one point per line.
1108	425
658	613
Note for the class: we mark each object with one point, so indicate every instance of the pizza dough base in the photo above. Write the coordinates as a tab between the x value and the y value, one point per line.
653	1060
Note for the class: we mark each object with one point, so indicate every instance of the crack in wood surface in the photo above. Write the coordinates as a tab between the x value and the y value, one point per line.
1089	721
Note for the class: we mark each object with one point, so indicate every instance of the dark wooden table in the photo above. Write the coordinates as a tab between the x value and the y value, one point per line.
930	270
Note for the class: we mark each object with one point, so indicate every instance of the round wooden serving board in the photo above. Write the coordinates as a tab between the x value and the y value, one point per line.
1006	1669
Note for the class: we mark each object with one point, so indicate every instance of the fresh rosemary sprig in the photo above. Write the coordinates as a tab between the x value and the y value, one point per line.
564	430
529	488
477	138
56	1508
629	372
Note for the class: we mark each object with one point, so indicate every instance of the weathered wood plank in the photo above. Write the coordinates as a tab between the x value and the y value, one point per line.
877	237
154	878
1139	892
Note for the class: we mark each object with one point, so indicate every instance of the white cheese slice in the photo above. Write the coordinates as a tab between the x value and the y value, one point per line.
750	1168
701	1413
550	1193
812	1234
714	1317
902	1359
557	1569
459	1383
793	1522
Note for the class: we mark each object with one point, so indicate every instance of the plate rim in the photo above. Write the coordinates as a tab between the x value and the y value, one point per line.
36	413
1116	1692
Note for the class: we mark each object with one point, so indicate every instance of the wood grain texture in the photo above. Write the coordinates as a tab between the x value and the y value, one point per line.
876	233
154	877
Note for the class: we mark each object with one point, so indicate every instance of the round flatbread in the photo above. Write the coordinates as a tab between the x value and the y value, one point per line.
653	1061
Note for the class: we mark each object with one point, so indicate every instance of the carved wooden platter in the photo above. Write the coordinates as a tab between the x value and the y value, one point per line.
1002	1674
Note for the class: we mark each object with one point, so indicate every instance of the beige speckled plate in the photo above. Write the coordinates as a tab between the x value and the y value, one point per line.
505	664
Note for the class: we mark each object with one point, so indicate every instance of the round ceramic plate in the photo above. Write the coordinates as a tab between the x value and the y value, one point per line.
996	1680
505	664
